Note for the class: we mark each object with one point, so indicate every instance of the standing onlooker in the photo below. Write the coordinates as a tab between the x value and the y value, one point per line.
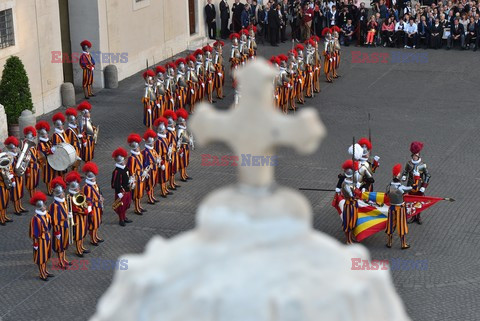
237	10
210	15
274	25
362	18
246	16
307	21
224	17
283	20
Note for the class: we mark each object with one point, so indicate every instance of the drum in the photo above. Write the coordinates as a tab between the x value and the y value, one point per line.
64	157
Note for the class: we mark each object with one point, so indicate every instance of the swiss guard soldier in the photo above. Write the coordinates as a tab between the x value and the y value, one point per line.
79	213
170	87
350	207
32	173
172	154
284	84
7	180
161	147
59	212
88	65
292	73
219	67
209	73
251	43
368	165
192	83
122	184
300	89
95	199
397	213
318	62
59	136
235	54
40	227
184	142
149	99
159	92
200	71
135	168
73	135
275	62
16	192
243	46
336	48
45	148
88	141
416	174
309	66
151	160
181	93
328	53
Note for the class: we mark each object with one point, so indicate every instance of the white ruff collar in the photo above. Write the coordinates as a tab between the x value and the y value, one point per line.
58	131
70	125
43	139
417	161
148	147
348	181
171	129
60	200
41	213
162	135
71	191
89	182
120	166
182	127
134	152
13	154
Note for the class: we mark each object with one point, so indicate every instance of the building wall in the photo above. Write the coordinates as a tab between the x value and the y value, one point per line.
150	29
37	33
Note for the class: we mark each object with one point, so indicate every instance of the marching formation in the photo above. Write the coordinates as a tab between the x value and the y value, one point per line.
299	70
354	192
183	83
166	152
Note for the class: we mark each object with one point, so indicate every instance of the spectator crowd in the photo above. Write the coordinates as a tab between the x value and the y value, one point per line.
390	23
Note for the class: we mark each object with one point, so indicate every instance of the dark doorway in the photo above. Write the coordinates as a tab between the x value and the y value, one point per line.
191	15
66	43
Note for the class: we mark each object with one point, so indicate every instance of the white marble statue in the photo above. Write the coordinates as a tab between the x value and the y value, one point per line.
254	255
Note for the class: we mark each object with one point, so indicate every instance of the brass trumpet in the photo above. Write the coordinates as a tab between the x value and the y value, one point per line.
80	200
117	203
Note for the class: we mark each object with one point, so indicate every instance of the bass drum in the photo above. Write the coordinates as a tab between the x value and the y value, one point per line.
64	157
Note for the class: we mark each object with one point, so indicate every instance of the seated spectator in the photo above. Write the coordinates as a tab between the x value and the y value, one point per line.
388	29
471	34
457	33
436	34
411	34
424	32
400	33
346	34
372	30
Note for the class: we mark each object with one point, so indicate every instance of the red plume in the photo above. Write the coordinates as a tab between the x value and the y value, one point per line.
160	120
416	147
149	133
180	61
234	35
84	105
299	47
219	43
43	125
207	48
191	58
86	43
198	52
134	138
90	167
170	65
252	27
182	113
244	31
282	57
71	112
73	177
170	114
30	129
294	52
160	69
365	141
58	116
336	28
148	73
58	181
119	152
396	170
325	31
38	196
11	140
315	38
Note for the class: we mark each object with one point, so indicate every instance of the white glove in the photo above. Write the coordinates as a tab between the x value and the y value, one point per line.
415	173
84	144
337	190
219	74
80	136
181	154
376	158
93	68
53	149
163	167
158	105
191	90
10	176
149	111
171	99
35	248
363	190
79	158
330	59
422	189
14	184
203	85
58	236
89	209
120	195
70	215
358	184
404	178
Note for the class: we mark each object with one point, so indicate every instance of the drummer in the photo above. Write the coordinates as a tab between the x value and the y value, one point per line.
59	136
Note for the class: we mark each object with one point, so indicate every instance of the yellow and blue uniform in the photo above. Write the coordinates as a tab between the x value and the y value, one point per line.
16	192
44	149
32	173
161	147
87	63
94	196
59	213
150	159
40	227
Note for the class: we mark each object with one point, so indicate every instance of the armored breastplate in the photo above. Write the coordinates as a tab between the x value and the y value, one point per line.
394	194
347	189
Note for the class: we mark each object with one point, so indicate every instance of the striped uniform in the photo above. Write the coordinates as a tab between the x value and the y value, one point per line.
172	139
16	193
87	63
4	195
40	227
93	195
48	173
328	66
316	72
80	225
32	173
350	214
150	158
148	107
88	144
74	140
59	213
135	167
161	147
397	218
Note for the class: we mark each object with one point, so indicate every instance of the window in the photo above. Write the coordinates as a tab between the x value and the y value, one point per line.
7	37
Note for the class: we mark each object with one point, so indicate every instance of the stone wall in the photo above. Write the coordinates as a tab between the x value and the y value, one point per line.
3	125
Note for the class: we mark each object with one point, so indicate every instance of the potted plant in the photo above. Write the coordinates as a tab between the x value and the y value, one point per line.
15	93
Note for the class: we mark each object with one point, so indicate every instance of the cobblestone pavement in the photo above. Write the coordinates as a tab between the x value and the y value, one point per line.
435	102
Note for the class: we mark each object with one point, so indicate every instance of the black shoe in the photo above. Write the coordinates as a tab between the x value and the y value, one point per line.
190	178
121	223
94	244
100	240
419	222
50	275
128	221
3	223
86	251
405	247
183	180
87	97
151	203
18	214
79	255
24	211
9	220
177	186
388	245
43	279
143	210
138	213
92	95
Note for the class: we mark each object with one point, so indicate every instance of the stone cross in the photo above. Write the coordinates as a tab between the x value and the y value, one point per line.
255	126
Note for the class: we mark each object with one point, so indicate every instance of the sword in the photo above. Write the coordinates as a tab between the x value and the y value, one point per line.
369	130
